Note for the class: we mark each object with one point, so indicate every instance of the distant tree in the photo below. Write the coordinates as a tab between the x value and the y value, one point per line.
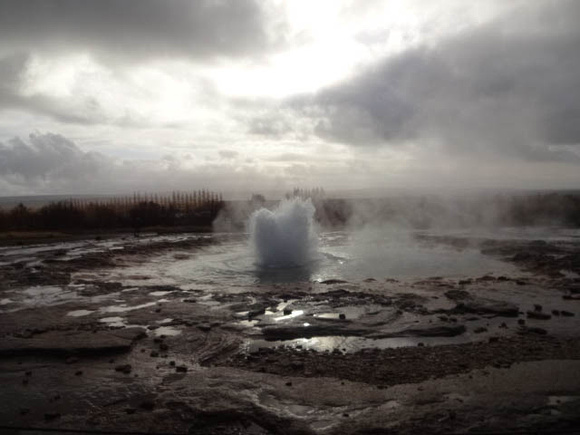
20	217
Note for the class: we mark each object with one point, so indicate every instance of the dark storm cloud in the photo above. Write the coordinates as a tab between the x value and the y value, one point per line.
512	87
134	28
51	163
46	158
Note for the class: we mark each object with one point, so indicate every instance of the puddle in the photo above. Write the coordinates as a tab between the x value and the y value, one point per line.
79	313
350	313
161	293
351	344
43	296
560	400
117	322
164	321
123	308
168	331
292	315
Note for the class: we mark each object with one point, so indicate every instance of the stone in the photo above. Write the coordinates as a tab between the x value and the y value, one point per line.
75	342
538	315
124	368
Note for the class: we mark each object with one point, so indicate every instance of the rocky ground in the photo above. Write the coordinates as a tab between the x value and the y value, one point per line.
439	355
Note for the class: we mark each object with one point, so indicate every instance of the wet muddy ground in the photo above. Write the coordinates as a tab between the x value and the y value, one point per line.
88	344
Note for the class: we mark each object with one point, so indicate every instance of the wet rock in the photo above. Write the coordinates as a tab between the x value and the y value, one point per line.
297	365
333	281
533	330
538	315
59	342
124	368
481	306
255	312
456	295
571	297
147	405
437	331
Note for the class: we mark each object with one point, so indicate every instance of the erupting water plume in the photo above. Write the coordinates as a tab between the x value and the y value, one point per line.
284	237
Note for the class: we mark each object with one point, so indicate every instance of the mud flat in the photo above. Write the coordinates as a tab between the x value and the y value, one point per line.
89	343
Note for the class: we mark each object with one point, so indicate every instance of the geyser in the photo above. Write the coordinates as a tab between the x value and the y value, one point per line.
286	236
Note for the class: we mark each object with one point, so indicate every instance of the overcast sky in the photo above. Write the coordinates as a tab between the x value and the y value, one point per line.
108	96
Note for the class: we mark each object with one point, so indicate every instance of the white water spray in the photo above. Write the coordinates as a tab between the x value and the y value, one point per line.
284	237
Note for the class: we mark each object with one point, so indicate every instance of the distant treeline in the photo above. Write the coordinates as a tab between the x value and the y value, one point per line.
198	208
